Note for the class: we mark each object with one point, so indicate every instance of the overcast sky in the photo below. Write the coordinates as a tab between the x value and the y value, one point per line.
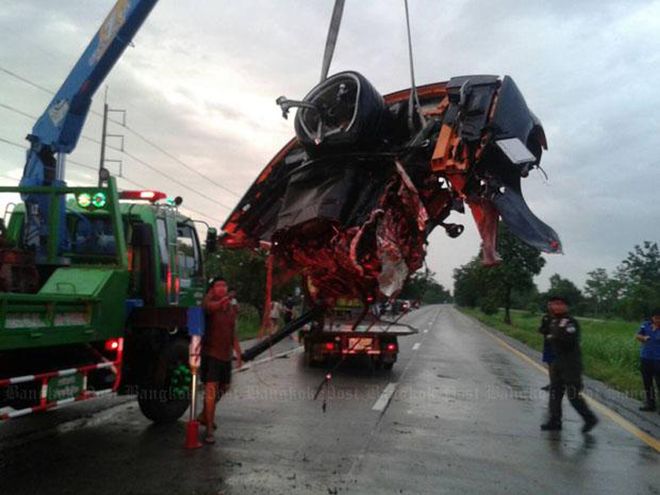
203	76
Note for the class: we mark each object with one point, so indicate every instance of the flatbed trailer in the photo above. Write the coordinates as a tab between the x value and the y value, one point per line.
377	339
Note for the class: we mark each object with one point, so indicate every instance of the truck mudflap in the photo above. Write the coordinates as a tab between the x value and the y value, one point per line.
59	388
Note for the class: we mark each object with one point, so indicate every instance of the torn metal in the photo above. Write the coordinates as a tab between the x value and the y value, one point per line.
350	202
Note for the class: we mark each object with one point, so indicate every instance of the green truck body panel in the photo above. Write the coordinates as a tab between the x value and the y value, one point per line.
85	301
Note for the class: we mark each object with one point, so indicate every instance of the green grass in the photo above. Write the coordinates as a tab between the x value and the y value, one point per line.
247	325
609	351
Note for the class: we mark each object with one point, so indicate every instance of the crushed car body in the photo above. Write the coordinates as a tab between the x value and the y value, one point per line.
350	202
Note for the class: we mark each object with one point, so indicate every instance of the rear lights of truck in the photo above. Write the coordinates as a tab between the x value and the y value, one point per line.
391	347
151	196
112	345
329	346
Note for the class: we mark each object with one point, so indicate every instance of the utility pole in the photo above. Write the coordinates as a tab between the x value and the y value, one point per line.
104	173
102	170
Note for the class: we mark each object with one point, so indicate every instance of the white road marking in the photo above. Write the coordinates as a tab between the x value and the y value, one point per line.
416	346
426	331
385	397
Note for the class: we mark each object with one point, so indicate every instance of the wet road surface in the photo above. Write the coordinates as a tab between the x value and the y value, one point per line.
458	413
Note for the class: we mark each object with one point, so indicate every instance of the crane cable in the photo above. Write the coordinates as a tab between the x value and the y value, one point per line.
331	40
413	102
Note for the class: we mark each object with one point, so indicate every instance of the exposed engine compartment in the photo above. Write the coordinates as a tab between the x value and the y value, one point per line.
350	202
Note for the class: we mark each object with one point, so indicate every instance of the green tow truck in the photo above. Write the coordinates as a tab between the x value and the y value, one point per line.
99	289
110	312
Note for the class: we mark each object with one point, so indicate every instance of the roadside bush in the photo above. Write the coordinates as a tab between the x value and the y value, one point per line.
488	306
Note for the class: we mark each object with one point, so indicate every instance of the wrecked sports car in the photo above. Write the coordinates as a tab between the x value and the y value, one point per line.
350	202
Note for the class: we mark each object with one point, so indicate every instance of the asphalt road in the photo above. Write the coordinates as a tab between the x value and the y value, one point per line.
457	414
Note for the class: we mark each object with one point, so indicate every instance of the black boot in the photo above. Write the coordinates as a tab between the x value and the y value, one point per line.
589	423
551	425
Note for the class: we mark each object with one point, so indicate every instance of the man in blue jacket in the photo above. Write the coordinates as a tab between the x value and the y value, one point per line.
649	336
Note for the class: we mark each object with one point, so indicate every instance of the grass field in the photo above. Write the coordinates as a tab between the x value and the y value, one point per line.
248	322
609	351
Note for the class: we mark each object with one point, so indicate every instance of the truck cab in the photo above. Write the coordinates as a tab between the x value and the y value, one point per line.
120	288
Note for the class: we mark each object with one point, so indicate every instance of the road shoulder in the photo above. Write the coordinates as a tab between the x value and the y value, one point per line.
617	401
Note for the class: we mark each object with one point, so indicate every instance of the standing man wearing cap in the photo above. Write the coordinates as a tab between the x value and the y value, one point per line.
649	336
563	334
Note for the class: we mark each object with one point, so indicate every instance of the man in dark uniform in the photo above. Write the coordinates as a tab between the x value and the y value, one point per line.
548	353
562	331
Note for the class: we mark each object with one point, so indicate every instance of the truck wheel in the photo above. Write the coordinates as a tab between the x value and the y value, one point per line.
166	395
388	366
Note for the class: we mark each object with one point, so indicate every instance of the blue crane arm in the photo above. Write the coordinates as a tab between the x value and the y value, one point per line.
57	131
61	124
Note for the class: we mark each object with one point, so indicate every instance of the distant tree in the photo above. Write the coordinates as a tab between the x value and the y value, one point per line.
602	292
643	264
528	299
422	286
520	263
469	283
563	287
245	272
489	288
639	276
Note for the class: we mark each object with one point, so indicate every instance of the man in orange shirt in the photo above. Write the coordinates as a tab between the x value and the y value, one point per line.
217	345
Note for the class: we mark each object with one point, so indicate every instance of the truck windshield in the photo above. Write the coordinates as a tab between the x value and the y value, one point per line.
91	235
161	229
188	257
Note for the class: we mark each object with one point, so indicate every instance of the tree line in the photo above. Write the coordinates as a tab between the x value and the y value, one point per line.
629	292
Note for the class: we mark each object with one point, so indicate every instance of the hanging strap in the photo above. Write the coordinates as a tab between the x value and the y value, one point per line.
266	329
331	40
413	102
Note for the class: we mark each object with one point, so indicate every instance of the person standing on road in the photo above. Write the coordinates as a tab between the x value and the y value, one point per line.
563	333
275	313
649	336
288	310
217	345
548	353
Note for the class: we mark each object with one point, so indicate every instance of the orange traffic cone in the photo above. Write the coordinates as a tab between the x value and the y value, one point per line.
192	435
192	426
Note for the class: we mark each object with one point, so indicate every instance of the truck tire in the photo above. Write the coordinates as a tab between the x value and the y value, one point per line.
166	394
388	366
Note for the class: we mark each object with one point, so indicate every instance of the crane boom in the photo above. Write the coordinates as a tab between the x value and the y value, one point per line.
57	131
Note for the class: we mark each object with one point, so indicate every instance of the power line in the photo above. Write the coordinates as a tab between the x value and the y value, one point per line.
176	181
34	118
126	179
132	131
24	148
142	186
26	81
180	162
13	143
130	155
16	110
